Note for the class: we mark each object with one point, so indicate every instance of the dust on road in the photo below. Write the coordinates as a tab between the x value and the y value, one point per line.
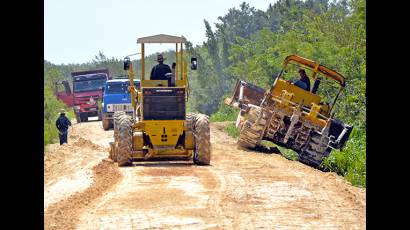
240	190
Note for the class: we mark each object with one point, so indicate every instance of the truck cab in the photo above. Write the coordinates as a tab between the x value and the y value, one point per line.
116	97
87	91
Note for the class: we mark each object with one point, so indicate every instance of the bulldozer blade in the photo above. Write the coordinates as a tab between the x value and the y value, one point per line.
251	94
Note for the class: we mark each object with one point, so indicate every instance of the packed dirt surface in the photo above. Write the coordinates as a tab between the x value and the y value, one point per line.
240	190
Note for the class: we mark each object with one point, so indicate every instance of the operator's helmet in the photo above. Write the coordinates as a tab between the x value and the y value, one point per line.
160	57
62	111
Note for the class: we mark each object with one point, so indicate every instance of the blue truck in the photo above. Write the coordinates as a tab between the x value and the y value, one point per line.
116	97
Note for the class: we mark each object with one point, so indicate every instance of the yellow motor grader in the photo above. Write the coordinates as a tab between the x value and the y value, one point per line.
292	115
160	127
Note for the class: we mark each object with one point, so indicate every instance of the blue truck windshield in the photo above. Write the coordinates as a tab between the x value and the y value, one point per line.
91	85
117	88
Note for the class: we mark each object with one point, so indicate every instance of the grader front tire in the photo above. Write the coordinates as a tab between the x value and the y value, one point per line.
124	147
202	151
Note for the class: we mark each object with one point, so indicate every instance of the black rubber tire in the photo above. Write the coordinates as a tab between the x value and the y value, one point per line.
106	124
77	118
201	131
115	123
251	133
124	141
83	117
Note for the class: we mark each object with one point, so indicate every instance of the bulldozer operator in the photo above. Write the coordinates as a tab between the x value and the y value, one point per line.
160	70
303	81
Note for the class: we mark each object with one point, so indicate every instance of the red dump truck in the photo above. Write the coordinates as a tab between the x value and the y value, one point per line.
86	92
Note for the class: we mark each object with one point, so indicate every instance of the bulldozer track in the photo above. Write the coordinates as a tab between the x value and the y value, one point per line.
240	189
252	130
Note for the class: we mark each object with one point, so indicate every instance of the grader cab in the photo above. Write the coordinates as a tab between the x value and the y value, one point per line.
290	115
160	127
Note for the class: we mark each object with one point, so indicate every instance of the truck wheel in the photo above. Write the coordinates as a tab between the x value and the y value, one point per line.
83	117
78	118
202	150
116	123
106	124
252	130
124	140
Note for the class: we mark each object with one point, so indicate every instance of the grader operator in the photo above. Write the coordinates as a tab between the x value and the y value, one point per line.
160	127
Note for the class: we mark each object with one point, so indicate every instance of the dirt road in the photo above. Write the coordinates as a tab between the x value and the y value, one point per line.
240	190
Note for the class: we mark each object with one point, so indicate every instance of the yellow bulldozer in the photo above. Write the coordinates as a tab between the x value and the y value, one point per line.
160	127
292	114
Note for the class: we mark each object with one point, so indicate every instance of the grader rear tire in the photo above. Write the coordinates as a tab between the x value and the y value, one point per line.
252	130
116	123
201	131
123	150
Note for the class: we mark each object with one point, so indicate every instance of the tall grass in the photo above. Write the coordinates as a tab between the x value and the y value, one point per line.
351	161
231	130
224	113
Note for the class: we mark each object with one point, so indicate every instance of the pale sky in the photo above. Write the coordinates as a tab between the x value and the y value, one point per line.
75	30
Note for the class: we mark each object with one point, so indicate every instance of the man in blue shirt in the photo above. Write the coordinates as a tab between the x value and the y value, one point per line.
62	124
304	81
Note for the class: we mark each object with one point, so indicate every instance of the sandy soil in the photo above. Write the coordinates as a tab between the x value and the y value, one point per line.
239	190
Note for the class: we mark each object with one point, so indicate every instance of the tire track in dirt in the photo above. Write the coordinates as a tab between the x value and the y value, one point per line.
64	214
68	168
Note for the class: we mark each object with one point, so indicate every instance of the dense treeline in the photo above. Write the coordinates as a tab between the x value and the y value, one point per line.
250	44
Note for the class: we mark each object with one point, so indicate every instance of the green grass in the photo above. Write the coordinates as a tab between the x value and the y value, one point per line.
224	113
231	130
288	153
351	162
52	108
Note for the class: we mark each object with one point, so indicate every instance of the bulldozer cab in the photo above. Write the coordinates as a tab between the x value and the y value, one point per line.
325	85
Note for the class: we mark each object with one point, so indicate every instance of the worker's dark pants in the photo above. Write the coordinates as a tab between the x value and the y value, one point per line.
63	136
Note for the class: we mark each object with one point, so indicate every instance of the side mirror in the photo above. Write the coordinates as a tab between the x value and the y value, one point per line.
127	63
103	88
194	64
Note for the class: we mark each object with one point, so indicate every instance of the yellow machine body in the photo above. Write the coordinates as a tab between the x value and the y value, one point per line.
160	138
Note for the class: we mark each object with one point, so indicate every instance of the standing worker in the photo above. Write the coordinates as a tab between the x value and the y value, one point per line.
62	124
